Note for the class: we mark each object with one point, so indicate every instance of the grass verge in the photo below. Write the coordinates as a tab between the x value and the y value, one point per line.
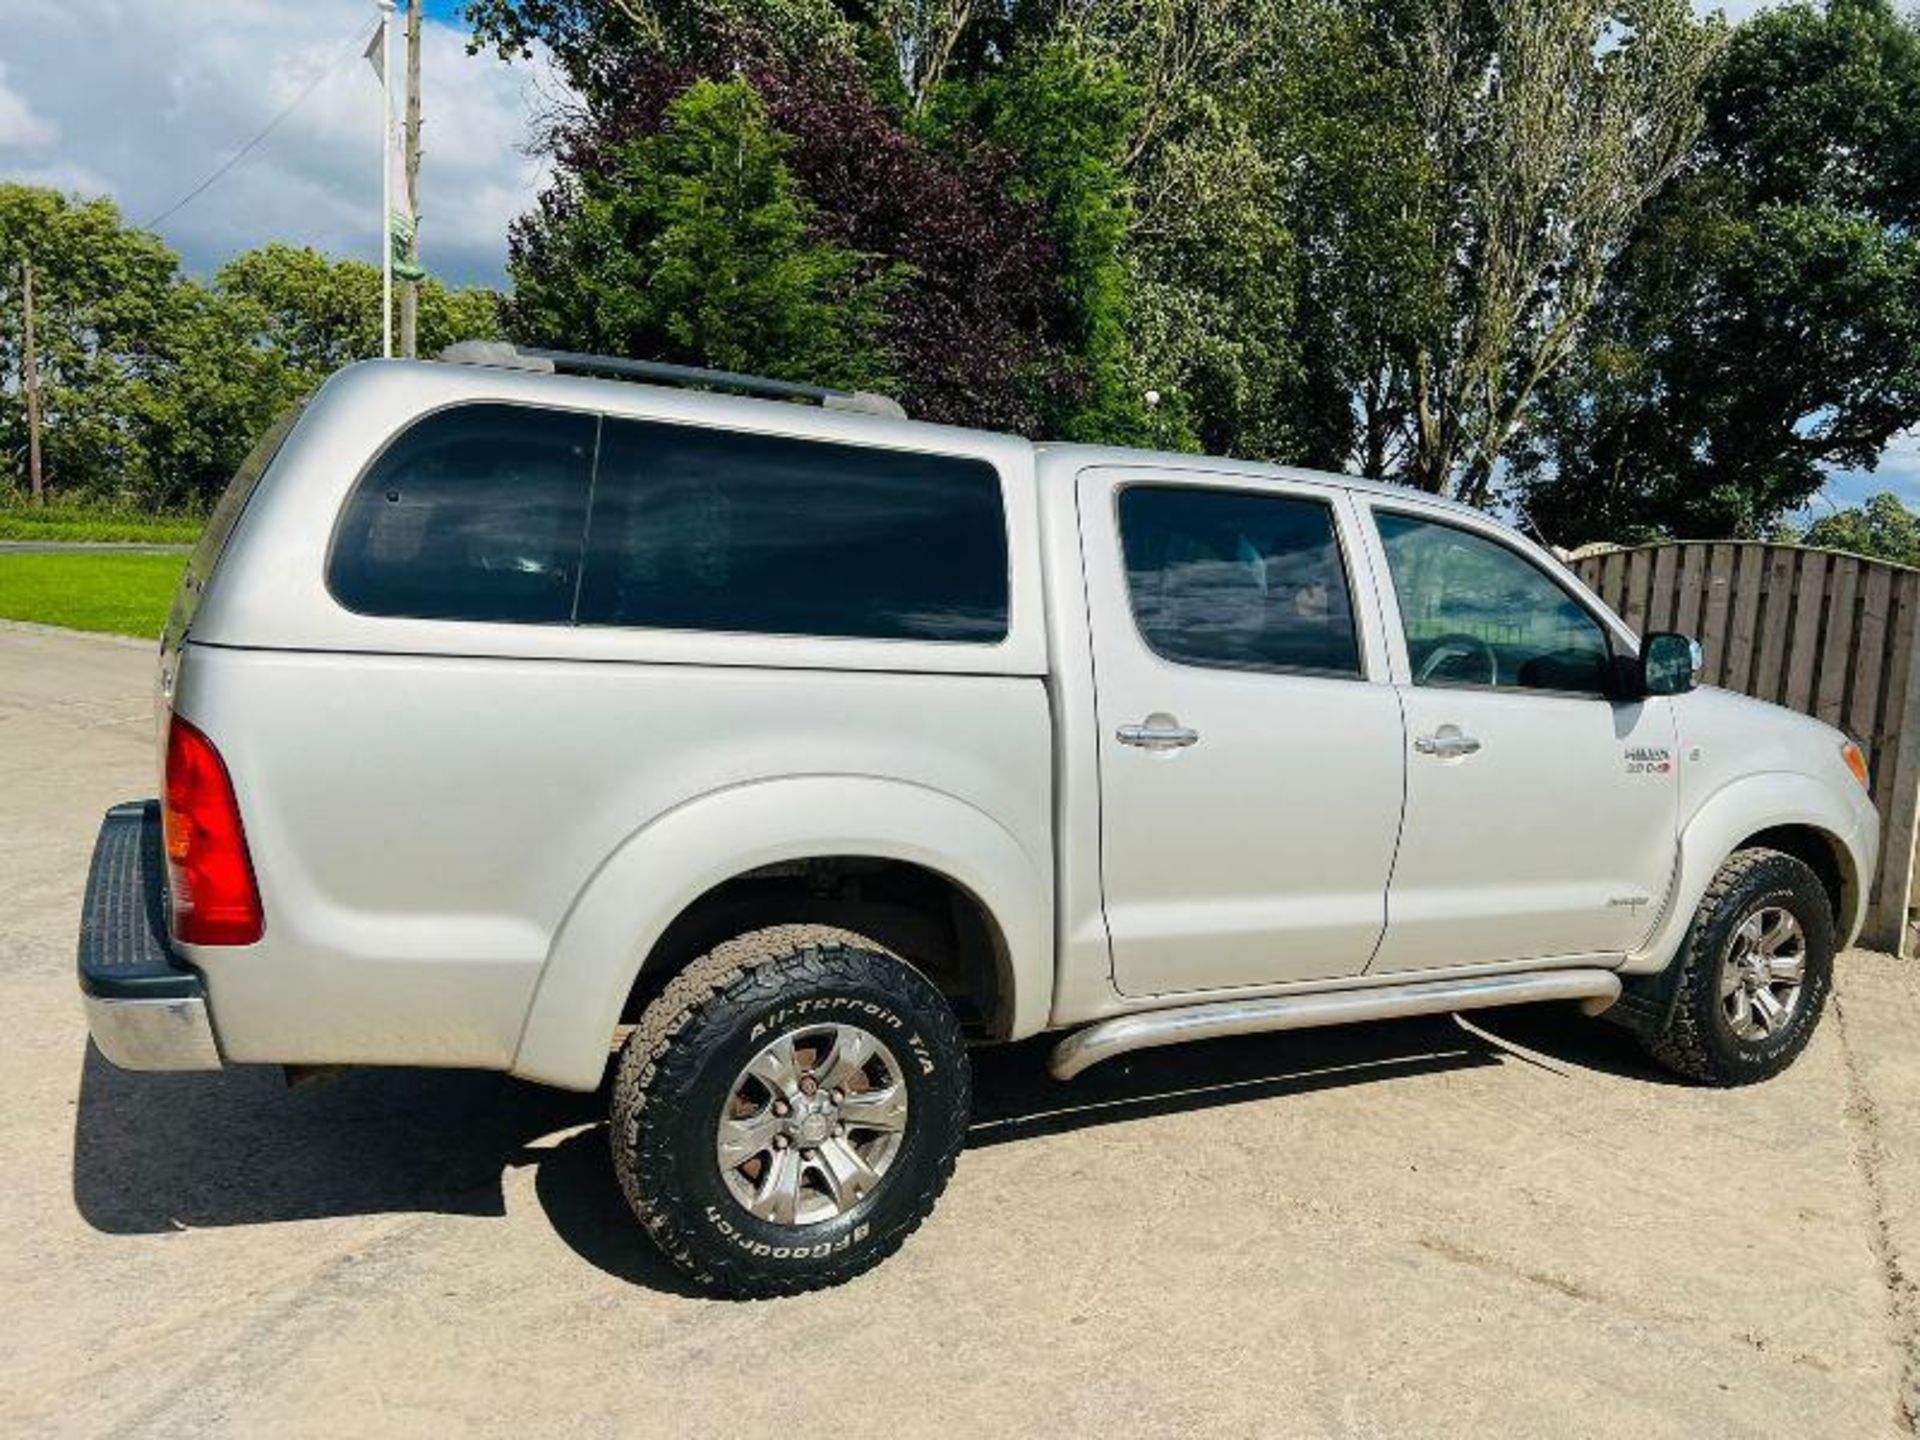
116	594
96	525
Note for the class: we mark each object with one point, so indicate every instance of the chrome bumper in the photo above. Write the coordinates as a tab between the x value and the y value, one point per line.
153	1034
146	1007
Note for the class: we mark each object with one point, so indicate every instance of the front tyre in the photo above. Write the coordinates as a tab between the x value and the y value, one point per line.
1756	969
788	1110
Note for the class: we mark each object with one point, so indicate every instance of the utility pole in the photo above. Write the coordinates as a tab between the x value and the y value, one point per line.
30	384
381	45
410	289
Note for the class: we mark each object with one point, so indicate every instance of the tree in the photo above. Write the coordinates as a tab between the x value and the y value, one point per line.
970	320
1319	229
209	391
1370	282
693	245
1066	119
103	297
320	313
1764	324
1389	222
154	385
1740	355
1882	529
1209	255
1548	125
1819	105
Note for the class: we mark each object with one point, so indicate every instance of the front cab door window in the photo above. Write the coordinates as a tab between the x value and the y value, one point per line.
1540	812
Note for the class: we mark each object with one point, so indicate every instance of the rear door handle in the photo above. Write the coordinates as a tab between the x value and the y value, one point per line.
1447	744
1157	737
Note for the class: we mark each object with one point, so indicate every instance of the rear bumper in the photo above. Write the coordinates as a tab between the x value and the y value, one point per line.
146	1008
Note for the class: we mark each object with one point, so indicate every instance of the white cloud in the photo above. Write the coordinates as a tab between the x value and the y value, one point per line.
145	100
1898	470
20	127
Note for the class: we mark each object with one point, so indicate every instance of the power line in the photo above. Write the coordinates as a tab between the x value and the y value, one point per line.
246	149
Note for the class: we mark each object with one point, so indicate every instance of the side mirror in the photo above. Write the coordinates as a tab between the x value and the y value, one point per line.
1669	663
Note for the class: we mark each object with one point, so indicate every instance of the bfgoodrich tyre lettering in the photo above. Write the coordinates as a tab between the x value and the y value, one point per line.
849	1074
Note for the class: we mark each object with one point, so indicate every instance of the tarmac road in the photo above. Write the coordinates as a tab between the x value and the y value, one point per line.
1395	1230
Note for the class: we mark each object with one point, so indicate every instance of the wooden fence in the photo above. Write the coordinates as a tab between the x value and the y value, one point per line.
1827	634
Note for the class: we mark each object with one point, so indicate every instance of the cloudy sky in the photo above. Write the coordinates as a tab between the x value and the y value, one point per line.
142	99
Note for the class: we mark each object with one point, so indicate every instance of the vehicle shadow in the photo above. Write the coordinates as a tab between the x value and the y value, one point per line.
157	1153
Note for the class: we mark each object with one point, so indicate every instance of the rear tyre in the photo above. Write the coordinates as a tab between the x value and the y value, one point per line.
1756	969
788	1110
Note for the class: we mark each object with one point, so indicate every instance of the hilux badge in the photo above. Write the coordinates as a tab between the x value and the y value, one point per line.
1648	760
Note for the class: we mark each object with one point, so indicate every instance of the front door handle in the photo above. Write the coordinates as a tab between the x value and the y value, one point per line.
1447	743
1156	736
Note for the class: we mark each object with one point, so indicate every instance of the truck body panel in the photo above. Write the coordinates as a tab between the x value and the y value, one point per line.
1243	733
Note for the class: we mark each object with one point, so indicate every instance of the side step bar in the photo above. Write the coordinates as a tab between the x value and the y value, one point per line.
1143	1031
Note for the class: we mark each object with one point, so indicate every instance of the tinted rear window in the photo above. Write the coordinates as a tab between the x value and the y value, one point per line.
220	524
1238	579
476	513
712	530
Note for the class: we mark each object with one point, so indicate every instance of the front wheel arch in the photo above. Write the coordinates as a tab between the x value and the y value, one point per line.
1732	818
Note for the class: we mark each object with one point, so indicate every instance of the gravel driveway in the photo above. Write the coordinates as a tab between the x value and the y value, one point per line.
1405	1229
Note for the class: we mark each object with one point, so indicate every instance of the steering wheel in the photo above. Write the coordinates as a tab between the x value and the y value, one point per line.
1449	648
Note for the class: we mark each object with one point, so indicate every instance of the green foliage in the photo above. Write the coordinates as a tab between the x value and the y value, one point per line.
1588	253
694	245
107	300
117	594
1882	529
592	40
1211	252
153	386
1372	283
1765	322
1067	118
1549	125
318	313
95	524
1819	106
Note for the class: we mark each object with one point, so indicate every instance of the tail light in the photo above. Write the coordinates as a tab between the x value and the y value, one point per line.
209	875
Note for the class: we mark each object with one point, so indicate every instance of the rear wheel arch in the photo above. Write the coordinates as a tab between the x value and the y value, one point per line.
908	909
602	957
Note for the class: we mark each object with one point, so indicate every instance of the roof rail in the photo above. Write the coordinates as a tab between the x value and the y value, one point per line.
502	355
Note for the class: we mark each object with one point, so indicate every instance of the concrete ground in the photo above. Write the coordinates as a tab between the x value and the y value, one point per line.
1406	1229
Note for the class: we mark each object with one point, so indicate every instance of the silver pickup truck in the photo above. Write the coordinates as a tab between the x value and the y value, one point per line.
514	714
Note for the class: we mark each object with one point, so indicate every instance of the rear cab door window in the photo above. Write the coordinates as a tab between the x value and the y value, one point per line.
1249	746
1238	580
